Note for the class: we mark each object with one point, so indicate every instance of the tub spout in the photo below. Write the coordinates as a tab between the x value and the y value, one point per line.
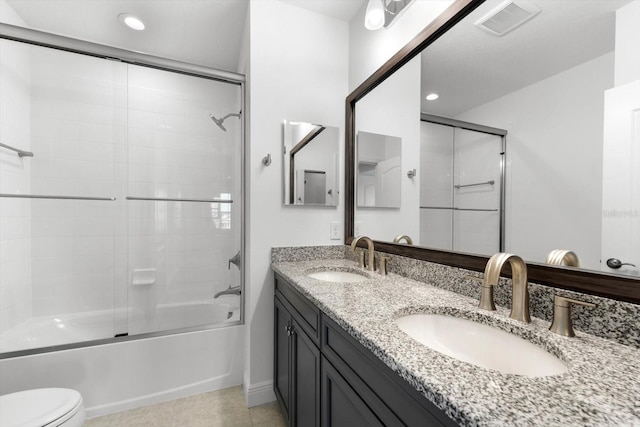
235	290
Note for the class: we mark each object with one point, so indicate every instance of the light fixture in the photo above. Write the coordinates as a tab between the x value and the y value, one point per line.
432	97
131	21
374	18
382	13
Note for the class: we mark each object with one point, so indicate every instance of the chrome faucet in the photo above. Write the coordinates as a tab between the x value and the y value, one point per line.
520	294
235	290
371	264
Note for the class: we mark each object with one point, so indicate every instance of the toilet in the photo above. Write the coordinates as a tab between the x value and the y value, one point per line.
43	407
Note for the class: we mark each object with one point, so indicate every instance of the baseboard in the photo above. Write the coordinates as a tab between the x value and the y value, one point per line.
176	393
259	394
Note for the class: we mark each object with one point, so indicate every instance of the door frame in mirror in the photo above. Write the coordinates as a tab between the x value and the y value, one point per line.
618	287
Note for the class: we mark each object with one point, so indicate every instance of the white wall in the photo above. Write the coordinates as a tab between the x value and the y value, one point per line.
627	68
15	177
393	109
567	149
298	71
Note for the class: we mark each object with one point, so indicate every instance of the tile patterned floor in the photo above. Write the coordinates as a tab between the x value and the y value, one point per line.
219	408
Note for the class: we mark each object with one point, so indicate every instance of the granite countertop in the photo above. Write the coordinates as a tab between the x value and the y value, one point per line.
601	388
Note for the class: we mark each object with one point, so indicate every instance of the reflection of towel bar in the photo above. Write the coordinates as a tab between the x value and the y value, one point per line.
459	209
166	199
473	185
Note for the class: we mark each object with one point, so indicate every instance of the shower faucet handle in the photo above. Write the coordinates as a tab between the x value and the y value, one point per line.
234	260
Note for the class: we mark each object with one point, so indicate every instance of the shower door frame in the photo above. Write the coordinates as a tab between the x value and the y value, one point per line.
502	133
68	44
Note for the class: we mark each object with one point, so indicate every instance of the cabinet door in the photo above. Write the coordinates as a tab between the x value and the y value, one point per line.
282	357
306	379
341	405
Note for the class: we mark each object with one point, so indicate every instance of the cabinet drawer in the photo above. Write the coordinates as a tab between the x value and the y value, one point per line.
306	314
377	382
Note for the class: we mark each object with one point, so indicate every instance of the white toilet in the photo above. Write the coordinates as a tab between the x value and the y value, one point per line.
50	407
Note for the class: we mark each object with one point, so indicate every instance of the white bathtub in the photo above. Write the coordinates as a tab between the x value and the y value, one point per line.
125	375
46	331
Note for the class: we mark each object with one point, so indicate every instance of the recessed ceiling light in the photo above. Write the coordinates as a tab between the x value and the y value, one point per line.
432	97
131	21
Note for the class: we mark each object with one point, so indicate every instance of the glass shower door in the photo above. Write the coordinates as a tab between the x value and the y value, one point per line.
183	201
460	189
59	206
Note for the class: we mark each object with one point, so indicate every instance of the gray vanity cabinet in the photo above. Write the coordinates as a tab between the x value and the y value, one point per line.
323	376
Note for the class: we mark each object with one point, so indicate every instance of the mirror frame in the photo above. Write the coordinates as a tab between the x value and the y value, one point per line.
618	287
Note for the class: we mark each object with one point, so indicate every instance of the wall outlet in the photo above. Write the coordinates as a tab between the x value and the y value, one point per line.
334	230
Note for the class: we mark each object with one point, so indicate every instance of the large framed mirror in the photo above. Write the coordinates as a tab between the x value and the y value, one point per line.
560	87
310	159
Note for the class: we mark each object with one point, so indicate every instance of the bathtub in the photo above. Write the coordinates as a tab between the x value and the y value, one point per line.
128	374
47	331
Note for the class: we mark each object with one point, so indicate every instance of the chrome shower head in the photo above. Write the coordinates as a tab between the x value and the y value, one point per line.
218	122
221	120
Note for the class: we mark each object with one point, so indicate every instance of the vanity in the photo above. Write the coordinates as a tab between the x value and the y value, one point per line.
342	359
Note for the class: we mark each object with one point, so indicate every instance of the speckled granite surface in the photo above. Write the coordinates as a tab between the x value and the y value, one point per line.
601	388
615	320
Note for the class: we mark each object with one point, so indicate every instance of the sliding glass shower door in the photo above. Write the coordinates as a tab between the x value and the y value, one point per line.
183	201
120	199
460	189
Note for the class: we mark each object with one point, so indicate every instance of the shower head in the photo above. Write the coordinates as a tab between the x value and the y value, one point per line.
221	120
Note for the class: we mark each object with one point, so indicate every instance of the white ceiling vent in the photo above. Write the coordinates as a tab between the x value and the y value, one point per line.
507	16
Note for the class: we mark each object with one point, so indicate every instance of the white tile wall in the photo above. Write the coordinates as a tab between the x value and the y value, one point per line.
15	228
176	151
74	120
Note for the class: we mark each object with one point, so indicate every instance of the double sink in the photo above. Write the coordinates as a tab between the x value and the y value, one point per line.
463	339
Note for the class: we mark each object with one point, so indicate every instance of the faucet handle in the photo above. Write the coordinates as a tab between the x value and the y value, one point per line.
486	297
382	265
562	324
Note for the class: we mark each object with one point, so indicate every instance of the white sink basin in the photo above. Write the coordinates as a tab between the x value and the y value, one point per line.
481	345
337	276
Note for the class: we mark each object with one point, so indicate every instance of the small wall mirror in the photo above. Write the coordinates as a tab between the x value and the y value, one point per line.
378	170
310	164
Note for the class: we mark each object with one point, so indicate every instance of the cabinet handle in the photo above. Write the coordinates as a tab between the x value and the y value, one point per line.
289	330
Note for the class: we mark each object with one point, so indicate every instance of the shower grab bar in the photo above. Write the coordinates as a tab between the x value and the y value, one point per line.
39	196
21	153
473	185
459	209
164	199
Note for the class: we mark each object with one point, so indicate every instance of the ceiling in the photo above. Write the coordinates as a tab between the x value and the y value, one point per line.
202	32
468	66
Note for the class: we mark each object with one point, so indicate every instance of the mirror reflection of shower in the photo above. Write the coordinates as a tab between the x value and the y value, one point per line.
221	120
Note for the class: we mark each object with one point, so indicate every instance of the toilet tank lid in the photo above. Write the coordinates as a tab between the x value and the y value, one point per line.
38	407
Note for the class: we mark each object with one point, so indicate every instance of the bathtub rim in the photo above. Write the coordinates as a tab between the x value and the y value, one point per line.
118	339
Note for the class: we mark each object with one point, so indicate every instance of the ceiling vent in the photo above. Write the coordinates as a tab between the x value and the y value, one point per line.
507	16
